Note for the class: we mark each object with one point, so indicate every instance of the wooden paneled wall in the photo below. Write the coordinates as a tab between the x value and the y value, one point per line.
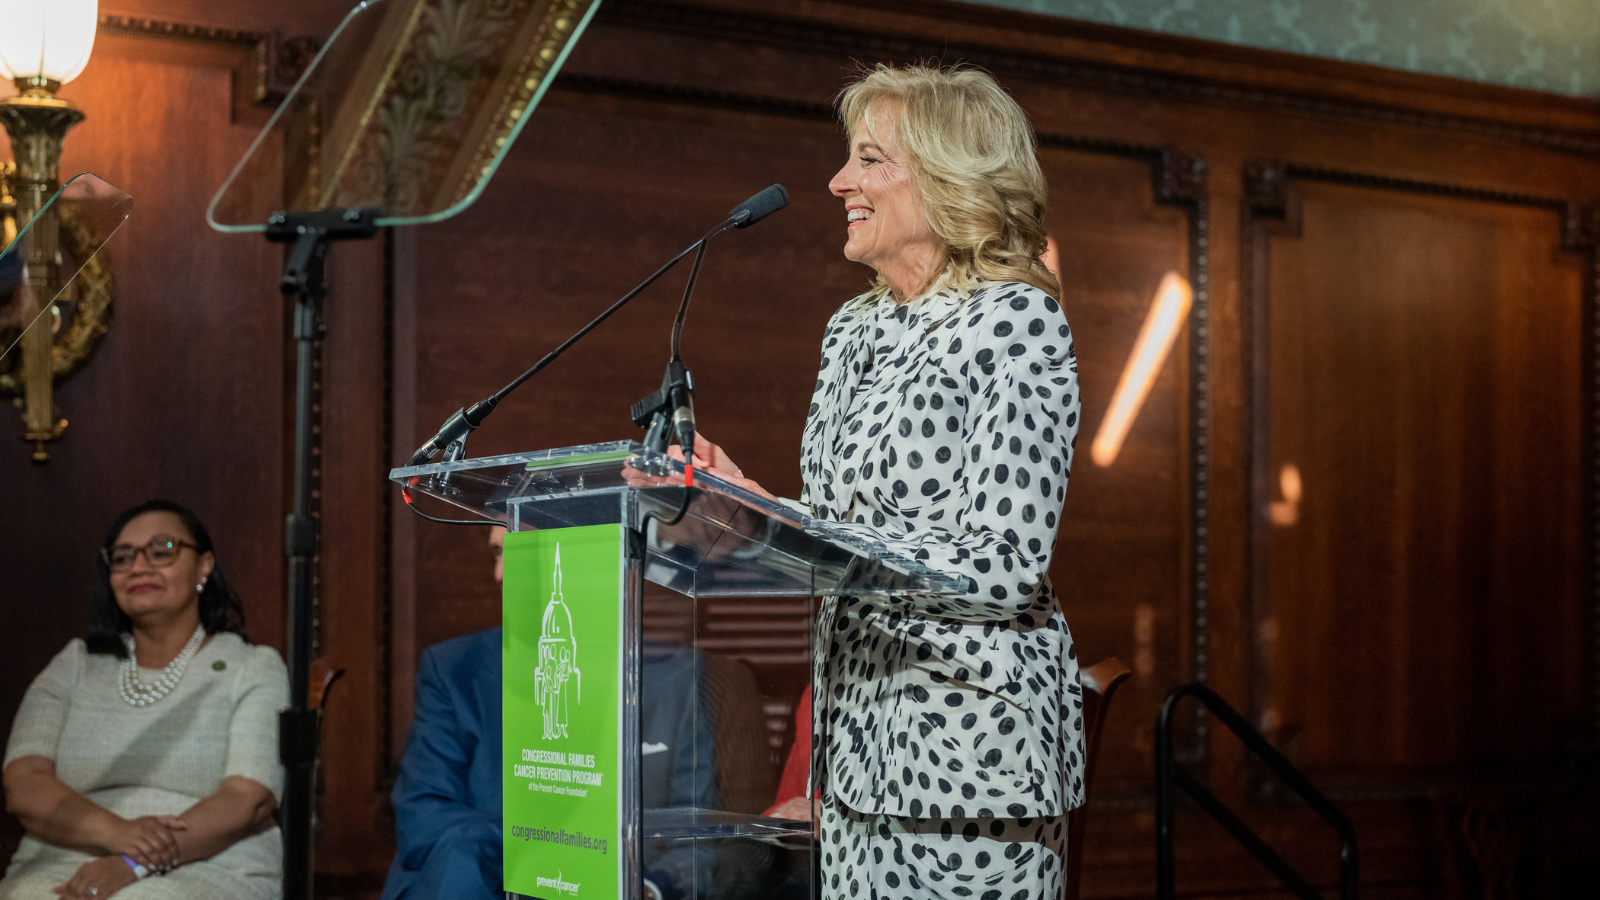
1395	280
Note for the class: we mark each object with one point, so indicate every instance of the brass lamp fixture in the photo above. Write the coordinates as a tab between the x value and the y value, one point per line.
43	45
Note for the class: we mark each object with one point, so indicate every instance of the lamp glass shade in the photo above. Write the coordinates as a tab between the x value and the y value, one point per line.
48	38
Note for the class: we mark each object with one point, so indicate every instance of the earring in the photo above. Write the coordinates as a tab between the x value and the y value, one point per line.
201	586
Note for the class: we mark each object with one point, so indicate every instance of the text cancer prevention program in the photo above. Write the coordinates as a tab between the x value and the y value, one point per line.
558	773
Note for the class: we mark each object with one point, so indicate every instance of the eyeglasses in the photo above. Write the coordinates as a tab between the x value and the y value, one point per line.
162	551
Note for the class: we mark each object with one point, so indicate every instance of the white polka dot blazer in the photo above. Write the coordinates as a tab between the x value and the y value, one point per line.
944	429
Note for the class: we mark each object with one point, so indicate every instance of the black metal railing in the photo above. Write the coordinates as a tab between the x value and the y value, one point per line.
1169	774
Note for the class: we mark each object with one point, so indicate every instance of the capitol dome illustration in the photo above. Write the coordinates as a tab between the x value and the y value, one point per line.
557	681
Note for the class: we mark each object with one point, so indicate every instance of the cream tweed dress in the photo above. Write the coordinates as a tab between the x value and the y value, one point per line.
221	720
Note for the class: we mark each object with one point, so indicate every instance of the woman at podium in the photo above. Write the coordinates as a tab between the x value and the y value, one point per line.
948	730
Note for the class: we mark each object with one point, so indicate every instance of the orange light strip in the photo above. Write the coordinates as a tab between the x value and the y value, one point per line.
1168	311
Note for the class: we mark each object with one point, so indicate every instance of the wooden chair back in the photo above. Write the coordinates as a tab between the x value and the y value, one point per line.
1100	682
745	780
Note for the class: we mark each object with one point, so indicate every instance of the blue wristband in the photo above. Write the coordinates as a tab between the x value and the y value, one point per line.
138	870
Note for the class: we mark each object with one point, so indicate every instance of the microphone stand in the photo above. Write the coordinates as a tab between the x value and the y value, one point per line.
300	724
669	409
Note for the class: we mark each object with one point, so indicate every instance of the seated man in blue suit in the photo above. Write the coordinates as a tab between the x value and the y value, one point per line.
447	795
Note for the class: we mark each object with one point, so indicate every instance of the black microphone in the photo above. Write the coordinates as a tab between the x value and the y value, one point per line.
452	437
759	207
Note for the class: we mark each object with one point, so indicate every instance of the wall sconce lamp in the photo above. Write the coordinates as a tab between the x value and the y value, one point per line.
1168	313
43	45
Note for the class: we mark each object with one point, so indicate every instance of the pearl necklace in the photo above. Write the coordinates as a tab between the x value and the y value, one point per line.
137	693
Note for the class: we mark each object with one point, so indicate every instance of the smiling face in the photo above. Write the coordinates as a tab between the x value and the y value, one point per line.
887	227
145	592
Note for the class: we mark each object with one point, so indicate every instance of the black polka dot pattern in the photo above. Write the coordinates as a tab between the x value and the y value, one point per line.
943	429
890	858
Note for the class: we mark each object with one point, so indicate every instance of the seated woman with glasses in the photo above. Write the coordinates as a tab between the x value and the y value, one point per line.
144	760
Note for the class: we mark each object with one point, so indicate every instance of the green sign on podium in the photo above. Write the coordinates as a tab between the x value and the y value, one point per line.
562	710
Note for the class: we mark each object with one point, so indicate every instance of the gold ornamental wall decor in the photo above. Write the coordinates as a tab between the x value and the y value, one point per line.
45	44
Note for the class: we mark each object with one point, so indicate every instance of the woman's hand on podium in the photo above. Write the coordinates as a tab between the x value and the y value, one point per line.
798	809
795	809
708	457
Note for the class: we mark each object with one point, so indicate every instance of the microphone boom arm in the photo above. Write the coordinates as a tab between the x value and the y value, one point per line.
675	396
452	437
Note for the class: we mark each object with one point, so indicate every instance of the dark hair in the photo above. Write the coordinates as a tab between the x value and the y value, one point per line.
219	605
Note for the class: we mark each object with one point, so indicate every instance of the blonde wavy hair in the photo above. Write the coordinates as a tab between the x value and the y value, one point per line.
973	159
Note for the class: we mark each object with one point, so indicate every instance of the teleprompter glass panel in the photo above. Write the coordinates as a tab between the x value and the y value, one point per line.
53	274
408	109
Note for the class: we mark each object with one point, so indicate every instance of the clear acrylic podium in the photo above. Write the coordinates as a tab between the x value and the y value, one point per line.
674	835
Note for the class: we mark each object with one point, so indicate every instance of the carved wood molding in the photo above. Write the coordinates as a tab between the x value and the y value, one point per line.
740	26
1580	233
1270	208
275	62
387	764
128	26
684	95
1266	192
1417	186
1180	178
1580	226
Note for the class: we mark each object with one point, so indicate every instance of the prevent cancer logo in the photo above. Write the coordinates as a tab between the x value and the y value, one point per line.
558	673
557	884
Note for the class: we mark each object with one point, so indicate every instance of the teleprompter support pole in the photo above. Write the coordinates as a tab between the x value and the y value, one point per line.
300	725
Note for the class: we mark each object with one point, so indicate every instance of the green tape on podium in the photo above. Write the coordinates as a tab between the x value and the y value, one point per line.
562	704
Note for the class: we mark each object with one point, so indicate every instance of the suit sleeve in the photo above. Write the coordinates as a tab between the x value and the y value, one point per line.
431	796
1017	378
694	779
